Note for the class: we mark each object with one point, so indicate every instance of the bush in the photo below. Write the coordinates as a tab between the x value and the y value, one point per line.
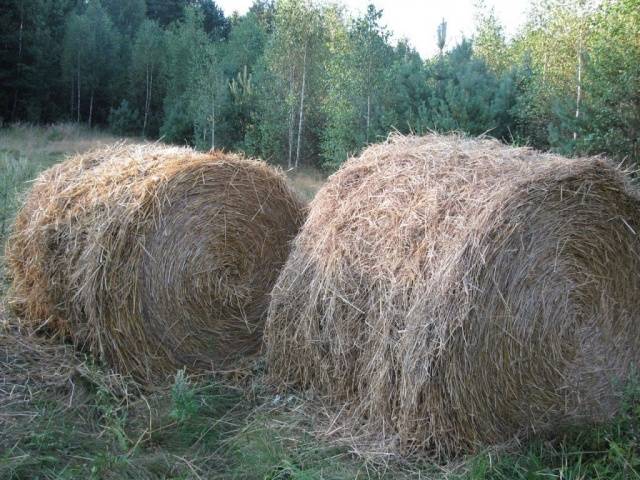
124	120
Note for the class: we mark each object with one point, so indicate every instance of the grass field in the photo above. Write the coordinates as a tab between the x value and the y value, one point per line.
62	416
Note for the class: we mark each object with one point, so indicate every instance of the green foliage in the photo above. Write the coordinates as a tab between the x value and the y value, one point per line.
147	75
489	41
90	52
124	120
186	42
606	451
359	89
611	110
184	398
126	15
303	83
467	96
31	34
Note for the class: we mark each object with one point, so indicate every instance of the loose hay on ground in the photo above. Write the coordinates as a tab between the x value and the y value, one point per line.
153	257
450	293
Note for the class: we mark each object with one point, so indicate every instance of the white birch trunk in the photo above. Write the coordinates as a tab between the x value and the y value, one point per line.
579	84
146	102
91	109
291	119
213	124
301	117
78	77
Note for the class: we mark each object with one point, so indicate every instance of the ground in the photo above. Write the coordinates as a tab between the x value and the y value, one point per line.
63	416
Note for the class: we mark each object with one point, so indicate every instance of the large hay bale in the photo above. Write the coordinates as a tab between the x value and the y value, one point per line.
153	257
450	293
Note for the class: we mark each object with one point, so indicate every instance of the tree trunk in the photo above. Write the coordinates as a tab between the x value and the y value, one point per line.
147	99
213	124
14	107
73	96
91	109
291	119
301	117
368	86
150	91
579	84
78	114
368	116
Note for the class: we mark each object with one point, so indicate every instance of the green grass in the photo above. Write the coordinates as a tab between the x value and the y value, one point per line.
608	451
16	170
203	429
206	429
26	150
63	417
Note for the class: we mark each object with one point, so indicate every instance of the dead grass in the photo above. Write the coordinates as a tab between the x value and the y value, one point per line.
307	181
34	141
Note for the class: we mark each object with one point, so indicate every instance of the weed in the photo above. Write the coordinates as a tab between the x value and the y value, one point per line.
185	406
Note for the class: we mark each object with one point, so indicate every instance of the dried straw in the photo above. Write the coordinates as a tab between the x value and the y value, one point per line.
153	257
450	293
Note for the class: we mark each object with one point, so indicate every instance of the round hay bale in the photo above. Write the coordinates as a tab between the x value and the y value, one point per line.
451	293
153	257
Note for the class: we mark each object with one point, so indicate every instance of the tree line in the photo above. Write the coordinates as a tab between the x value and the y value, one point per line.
300	82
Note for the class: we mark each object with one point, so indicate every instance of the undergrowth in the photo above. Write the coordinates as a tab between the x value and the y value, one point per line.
204	428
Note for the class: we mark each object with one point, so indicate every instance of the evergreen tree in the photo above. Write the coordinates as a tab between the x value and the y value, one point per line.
31	34
409	92
466	95
165	12
126	15
215	23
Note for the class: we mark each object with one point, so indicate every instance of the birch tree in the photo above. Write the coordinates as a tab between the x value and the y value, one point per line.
147	64
372	58
292	58
207	93
90	51
74	60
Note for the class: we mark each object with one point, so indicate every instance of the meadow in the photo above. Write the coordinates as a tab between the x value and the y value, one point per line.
64	416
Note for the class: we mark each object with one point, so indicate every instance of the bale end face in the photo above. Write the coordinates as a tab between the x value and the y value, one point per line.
154	258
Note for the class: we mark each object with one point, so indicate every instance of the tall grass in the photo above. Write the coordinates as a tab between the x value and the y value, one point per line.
26	150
